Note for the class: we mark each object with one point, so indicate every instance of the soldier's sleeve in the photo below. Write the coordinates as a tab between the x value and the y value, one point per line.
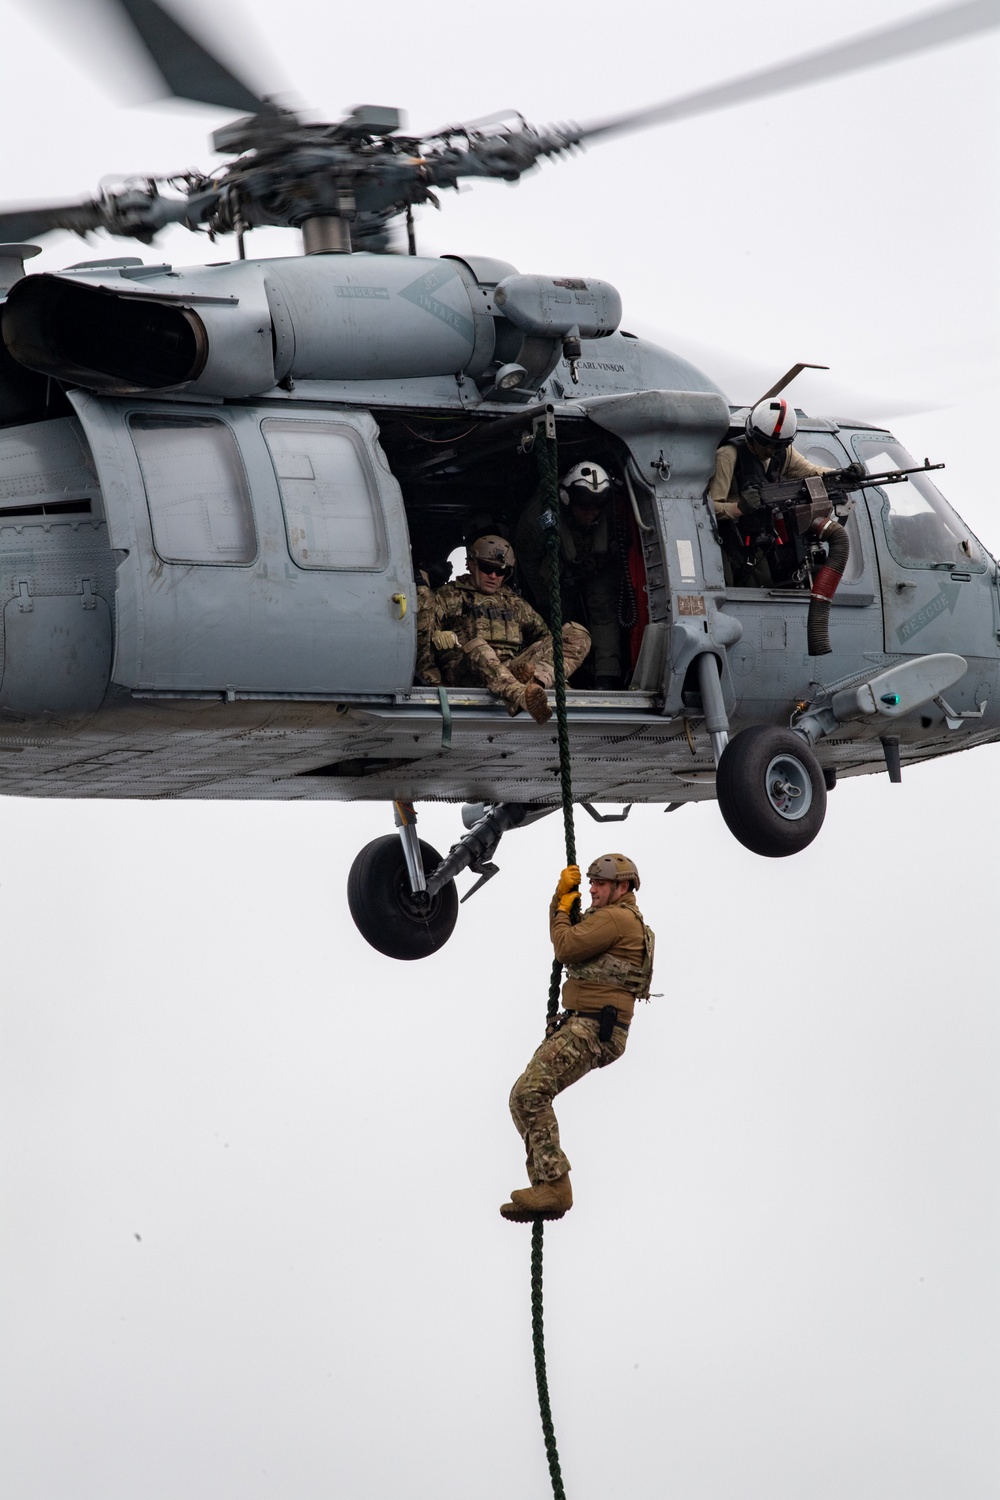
799	467
722	489
587	939
427	668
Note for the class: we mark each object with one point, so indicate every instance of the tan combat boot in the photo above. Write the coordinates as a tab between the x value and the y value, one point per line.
533	671
546	1200
532	697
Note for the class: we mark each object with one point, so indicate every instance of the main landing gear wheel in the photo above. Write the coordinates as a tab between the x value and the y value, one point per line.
771	791
387	913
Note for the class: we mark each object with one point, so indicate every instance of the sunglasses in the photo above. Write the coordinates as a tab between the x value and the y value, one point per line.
497	570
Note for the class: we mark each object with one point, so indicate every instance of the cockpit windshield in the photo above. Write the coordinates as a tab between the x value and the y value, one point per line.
921	528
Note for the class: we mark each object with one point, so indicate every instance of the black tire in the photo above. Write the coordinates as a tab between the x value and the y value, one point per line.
384	909
771	791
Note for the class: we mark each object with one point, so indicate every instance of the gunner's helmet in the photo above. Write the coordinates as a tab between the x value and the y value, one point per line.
586	485
772	423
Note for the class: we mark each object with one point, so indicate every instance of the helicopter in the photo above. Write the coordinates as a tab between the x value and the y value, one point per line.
214	481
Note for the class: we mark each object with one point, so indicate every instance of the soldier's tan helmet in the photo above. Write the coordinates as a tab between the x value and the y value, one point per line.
492	549
614	867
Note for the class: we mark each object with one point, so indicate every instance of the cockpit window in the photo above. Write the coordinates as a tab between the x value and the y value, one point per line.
921	528
825	456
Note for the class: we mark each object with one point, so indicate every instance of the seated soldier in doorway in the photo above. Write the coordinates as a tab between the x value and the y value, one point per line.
590	563
478	632
743	469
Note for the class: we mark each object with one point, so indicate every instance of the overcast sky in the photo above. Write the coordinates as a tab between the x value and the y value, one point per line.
251	1168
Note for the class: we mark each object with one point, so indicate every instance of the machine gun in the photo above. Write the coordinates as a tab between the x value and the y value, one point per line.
789	514
803	501
792	521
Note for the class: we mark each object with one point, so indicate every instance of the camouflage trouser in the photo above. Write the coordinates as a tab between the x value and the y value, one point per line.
482	667
558	1062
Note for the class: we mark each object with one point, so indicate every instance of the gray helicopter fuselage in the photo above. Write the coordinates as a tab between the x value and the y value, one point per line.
184	616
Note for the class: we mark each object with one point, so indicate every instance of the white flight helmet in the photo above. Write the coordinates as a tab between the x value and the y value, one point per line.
772	423
586	483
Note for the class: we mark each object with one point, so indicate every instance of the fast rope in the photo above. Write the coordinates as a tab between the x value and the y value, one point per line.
548	464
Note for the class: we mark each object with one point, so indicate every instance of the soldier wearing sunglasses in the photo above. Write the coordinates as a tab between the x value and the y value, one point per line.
477	631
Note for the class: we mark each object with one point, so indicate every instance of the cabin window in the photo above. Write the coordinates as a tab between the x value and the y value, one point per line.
920	526
328	494
199	506
829	458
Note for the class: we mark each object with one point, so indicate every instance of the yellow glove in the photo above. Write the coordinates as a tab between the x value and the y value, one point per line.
569	880
568	902
444	640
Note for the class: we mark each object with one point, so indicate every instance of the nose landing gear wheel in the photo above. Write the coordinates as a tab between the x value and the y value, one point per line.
771	791
387	913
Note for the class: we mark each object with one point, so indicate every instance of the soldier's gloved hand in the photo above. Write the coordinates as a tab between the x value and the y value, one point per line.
854	473
444	640
569	903
569	880
748	502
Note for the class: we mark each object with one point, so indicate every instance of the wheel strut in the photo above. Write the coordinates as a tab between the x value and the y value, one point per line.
713	704
405	815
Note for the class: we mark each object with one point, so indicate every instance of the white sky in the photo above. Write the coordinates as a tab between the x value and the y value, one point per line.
780	1276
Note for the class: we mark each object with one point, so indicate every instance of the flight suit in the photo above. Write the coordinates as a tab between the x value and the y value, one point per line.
738	467
609	961
500	637
590	577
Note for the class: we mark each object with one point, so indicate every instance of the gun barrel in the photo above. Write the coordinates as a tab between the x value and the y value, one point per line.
895	476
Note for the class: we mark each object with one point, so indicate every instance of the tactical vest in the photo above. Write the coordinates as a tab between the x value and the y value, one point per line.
752	472
606	968
499	621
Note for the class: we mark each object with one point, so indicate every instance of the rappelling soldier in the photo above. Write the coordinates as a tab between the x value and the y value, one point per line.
478	632
743	470
609	965
590	563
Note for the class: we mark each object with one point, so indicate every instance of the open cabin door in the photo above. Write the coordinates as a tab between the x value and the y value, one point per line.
260	550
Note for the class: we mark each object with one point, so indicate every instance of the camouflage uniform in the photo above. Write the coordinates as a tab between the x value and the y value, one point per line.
501	638
616	972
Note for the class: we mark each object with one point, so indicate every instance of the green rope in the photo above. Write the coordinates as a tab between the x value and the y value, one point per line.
548	464
541	1380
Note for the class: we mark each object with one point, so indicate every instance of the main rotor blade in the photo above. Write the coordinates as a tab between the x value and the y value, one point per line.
933	28
187	68
25	224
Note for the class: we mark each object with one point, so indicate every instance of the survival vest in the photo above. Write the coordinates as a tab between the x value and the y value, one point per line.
752	472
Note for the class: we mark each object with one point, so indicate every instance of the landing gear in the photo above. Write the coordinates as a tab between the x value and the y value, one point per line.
402	893
771	791
389	914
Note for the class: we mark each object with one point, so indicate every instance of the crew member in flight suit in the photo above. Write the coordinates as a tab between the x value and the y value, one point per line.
609	965
744	468
478	632
590	563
